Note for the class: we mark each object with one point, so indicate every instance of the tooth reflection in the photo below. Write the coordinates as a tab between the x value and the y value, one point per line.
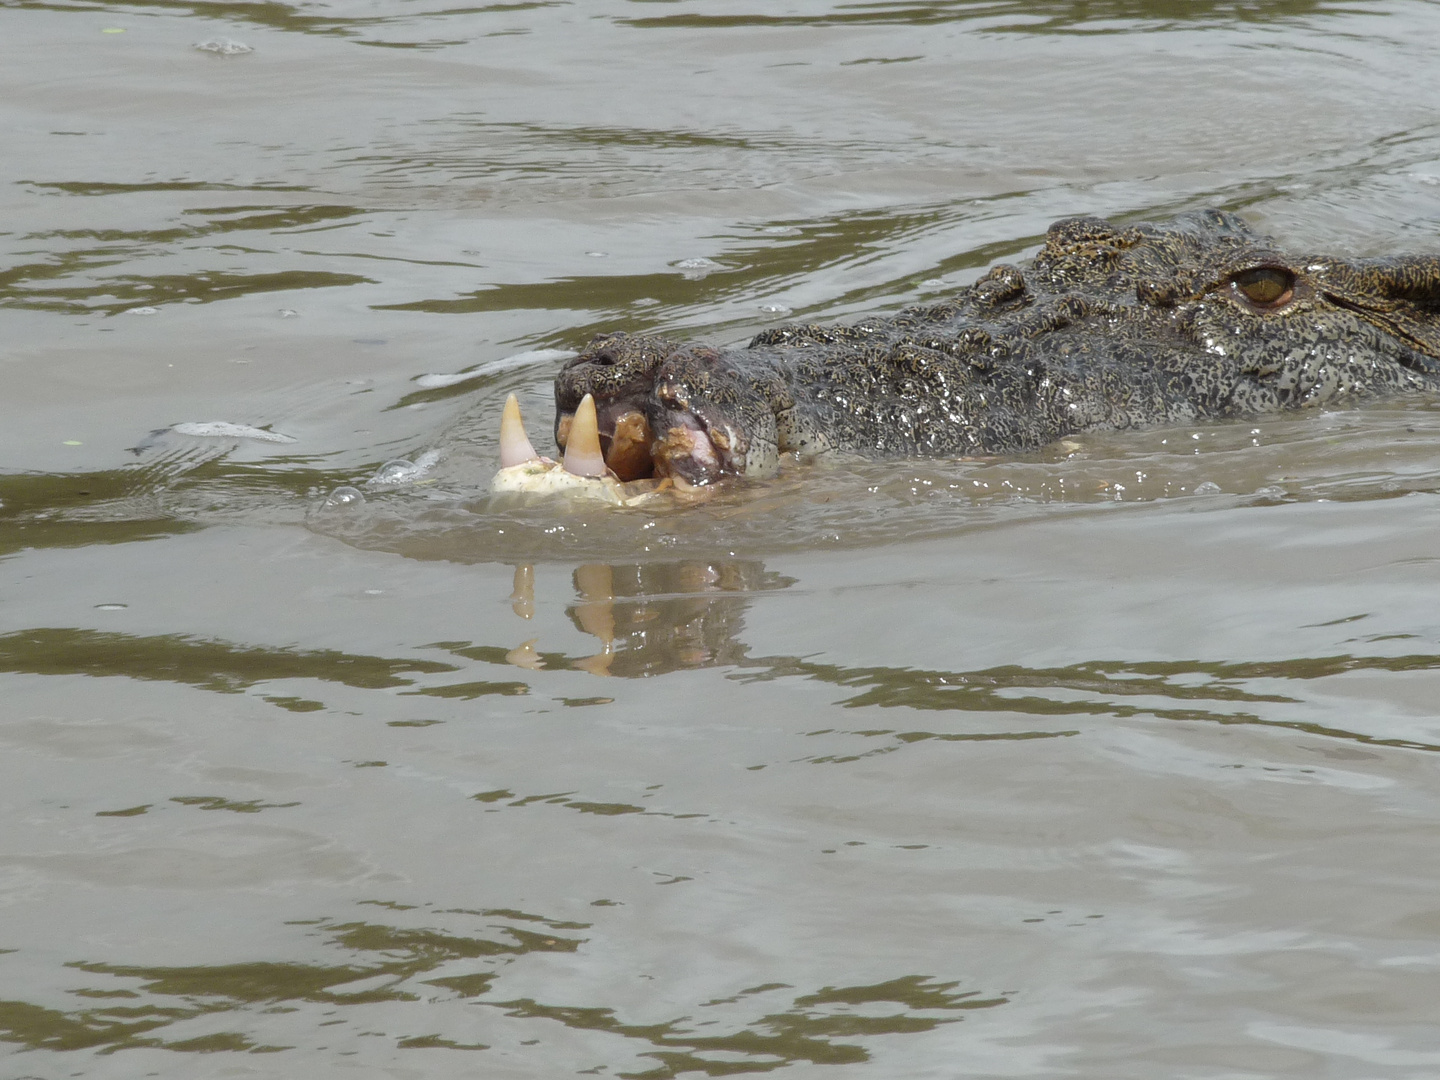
595	582
646	619
522	594
652	618
525	656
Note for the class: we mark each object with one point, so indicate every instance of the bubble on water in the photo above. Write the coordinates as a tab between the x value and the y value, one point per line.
224	47
111	607
397	471
404	471
933	283
695	269
1207	487
598	254
780	230
288	313
345	495
142	311
776	309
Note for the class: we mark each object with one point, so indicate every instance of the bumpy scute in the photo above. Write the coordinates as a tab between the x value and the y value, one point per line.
1108	327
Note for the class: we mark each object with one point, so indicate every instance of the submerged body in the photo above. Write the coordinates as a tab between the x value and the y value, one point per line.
1108	327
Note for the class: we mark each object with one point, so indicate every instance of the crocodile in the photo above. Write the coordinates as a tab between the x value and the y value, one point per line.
1109	326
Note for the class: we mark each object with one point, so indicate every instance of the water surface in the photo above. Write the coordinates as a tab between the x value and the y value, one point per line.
1113	760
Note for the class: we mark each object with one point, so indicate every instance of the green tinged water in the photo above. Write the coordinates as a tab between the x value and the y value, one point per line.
1110	761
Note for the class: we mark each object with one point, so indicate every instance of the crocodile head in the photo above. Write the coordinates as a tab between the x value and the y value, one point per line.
1108	327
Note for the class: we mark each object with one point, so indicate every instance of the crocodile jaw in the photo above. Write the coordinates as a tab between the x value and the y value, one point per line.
583	475
545	477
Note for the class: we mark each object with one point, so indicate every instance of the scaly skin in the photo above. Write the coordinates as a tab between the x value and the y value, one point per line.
1108	327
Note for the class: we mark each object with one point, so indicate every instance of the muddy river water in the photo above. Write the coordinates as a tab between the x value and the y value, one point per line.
1117	760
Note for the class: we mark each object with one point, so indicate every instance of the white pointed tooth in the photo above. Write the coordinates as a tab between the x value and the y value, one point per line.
582	448
515	448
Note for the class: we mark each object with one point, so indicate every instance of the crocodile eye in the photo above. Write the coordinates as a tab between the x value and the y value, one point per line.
1266	287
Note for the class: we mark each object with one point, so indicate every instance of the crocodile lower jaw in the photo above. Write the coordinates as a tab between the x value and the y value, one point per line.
583	474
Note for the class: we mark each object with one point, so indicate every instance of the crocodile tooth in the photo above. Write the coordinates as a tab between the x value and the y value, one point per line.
582	448
515	448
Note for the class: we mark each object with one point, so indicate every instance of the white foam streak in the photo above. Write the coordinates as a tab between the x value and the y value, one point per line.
508	363
223	429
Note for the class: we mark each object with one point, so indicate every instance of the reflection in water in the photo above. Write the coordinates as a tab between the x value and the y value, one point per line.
654	618
663	617
214	802
595	614
764	265
69	279
388	959
649	618
1112	16
110	506
177	485
809	1030
219	1007
298	18
1109	686
209	665
79	534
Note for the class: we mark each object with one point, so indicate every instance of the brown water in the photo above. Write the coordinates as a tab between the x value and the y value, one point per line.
1118	761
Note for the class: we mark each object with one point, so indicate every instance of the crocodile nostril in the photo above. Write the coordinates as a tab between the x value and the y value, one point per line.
605	358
